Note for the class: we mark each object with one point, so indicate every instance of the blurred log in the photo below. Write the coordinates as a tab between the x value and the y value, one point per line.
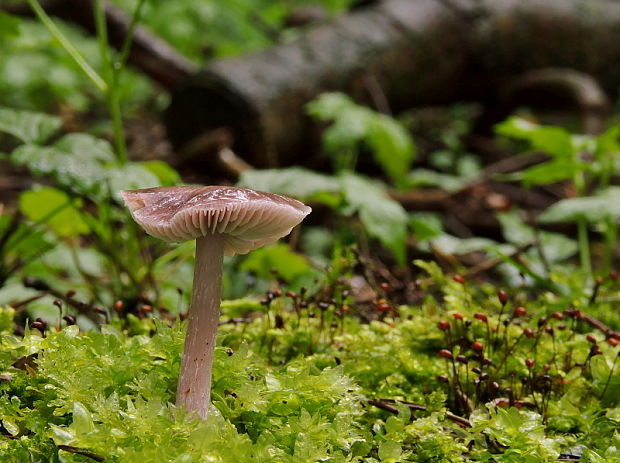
417	53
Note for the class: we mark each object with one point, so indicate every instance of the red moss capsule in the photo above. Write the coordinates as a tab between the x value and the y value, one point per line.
477	346
383	307
291	294
520	311
502	296
443	379
445	353
462	359
557	315
118	306
458	316
480	316
528	332
385	286
459	279
146	308
443	325
591	339
530	363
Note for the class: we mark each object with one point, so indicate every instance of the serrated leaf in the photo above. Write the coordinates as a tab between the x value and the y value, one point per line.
28	126
382	217
55	209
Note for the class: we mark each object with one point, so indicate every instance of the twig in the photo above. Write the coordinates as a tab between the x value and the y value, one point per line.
384	404
235	320
79	451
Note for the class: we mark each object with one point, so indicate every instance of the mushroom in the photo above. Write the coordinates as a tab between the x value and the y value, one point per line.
222	220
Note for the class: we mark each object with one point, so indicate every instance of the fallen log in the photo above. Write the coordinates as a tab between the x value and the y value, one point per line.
416	53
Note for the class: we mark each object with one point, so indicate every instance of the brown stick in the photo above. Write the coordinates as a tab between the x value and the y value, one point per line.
80	451
384	404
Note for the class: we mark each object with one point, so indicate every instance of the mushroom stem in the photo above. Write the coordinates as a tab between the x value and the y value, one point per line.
194	387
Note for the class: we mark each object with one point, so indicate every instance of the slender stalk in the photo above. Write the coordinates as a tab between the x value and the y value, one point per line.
584	246
68	46
126	47
611	236
194	386
111	76
582	226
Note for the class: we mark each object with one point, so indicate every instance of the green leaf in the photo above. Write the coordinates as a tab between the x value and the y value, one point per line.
352	124
82	421
554	141
164	172
425	225
392	146
83	146
591	208
55	209
449	244
550	172
288	264
556	246
427	177
78	174
9	26
293	181
27	126
390	451
131	176
382	217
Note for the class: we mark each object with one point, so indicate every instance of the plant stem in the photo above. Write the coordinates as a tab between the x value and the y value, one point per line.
584	246
194	386
68	46
126	47
111	74
611	235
